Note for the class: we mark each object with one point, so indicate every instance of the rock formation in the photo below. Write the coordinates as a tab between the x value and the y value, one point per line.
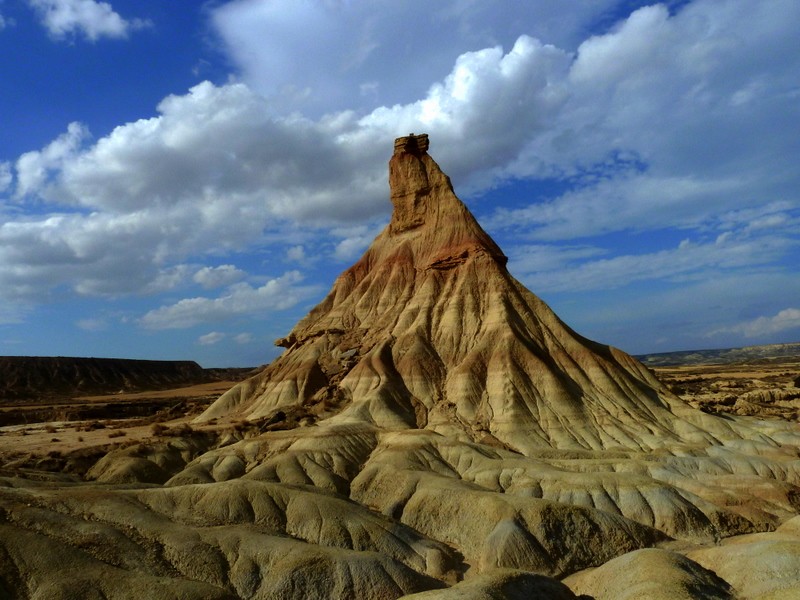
429	330
432	430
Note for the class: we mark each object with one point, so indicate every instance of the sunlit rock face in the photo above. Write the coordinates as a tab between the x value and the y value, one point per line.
432	430
429	330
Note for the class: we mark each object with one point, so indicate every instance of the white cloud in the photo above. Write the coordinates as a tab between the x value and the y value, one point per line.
213	277
638	202
570	269
538	258
700	132
361	55
219	150
216	165
92	324
90	18
240	299
243	338
35	168
658	88
604	60
671	317
785	320
211	338
355	240
5	176
296	254
98	254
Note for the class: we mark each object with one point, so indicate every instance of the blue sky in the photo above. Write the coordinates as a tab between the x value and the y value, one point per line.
184	180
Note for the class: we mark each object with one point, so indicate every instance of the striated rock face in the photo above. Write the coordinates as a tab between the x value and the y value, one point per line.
428	329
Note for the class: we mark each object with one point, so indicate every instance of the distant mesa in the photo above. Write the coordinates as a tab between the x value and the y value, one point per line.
38	377
721	356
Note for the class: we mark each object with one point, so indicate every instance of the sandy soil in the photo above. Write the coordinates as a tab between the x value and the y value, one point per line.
52	438
215	389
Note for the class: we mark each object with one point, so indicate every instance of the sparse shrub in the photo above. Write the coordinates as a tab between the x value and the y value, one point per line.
158	429
55	440
94	425
116	434
50	428
80	438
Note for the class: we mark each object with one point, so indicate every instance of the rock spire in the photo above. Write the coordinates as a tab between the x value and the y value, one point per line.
429	330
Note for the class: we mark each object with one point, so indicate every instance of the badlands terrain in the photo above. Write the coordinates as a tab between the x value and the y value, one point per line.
432	430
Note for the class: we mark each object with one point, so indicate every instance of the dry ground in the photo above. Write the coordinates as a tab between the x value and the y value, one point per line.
27	443
764	388
668	556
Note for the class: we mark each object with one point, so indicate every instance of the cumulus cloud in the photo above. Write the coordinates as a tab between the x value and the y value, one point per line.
697	128
216	165
35	168
214	277
98	254
658	89
211	338
92	19
240	299
362	55
219	150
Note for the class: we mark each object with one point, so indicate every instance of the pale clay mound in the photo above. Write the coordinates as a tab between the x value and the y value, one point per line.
432	430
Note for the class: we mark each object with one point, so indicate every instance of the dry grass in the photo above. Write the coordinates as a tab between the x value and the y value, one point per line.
94	425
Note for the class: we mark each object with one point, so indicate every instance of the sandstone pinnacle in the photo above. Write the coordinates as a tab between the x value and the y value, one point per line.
430	330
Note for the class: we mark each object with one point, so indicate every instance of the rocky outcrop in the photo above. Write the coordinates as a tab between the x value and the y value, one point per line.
653	574
429	329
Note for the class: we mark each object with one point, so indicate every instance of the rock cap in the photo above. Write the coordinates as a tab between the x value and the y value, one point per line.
412	144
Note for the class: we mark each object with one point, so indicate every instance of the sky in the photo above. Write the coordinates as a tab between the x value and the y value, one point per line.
185	180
